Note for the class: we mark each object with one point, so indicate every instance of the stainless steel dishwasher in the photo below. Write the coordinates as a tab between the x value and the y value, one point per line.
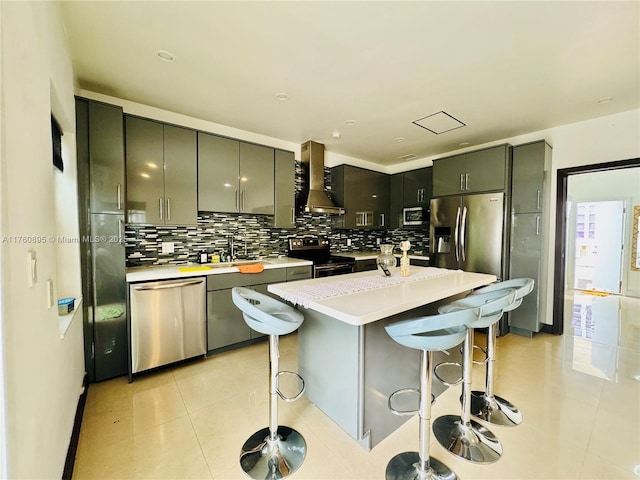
168	322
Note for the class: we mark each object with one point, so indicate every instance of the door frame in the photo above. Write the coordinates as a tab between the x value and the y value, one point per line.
559	271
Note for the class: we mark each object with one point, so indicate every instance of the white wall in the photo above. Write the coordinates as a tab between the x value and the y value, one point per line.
43	371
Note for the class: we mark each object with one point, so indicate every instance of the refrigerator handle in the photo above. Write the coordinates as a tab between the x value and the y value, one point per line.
457	235
463	234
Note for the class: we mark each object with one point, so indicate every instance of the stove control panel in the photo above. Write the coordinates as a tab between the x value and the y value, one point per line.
308	243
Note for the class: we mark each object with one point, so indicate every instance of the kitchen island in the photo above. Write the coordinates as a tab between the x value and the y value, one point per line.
349	363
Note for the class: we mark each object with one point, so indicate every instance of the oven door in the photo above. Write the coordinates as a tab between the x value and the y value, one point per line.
329	270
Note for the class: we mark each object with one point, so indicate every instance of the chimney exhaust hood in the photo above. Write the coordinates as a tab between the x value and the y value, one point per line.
312	159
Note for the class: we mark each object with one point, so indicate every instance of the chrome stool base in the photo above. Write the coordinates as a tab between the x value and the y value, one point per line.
495	410
405	466
474	442
262	458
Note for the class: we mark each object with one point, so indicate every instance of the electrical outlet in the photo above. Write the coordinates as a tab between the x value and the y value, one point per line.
167	247
377	241
348	242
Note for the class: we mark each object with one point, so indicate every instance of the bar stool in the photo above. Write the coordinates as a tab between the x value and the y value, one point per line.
276	451
485	405
461	436
436	332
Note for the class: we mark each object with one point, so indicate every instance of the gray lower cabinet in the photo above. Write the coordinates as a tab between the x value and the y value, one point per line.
526	262
225	326
234	176
480	171
161	173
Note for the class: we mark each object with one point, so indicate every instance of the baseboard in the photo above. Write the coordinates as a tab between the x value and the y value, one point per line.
67	473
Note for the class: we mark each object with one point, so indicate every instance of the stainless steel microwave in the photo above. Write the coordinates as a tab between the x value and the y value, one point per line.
415	216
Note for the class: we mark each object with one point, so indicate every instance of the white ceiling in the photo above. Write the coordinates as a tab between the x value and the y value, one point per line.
501	68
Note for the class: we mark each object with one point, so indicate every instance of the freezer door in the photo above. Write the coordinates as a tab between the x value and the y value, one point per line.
444	231
109	296
482	232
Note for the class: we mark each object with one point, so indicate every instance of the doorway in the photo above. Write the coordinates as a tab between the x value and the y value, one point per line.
563	224
597	244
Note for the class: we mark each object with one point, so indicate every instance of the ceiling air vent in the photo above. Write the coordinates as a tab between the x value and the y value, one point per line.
407	157
439	122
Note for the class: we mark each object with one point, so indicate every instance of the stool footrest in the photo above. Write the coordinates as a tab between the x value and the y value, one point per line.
486	355
401	392
282	395
447	364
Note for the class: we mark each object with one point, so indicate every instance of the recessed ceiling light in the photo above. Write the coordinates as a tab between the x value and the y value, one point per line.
282	96
350	123
463	144
604	100
399	139
165	56
336	135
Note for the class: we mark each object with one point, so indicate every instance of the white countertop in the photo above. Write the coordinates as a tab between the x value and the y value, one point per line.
372	254
368	306
165	272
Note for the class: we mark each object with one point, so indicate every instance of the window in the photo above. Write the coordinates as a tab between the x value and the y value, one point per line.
56	142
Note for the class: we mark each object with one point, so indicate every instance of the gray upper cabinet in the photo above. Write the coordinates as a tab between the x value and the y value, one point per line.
234	176
529	164
284	216
364	194
417	187
409	189
218	171
256	179
161	173
106	158
480	171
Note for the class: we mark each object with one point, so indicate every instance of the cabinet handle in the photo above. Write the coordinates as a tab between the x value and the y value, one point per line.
242	205
120	232
462	182
119	201
293	216
537	224
160	202
538	200
466	181
382	220
237	195
168	209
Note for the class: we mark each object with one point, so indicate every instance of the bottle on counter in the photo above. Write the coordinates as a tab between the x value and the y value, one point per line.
404	260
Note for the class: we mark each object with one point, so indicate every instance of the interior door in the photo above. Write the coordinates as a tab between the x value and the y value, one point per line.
598	248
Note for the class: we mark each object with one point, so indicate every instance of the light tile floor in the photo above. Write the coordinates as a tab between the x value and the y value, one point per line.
579	394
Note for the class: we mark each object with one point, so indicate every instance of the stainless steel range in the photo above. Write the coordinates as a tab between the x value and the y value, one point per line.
318	251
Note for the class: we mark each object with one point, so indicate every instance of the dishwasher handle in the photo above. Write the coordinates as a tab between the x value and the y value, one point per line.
164	286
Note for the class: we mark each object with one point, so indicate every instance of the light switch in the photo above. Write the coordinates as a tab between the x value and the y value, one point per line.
167	247
31	268
348	242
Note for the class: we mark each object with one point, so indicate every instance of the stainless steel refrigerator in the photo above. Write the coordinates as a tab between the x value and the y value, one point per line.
467	232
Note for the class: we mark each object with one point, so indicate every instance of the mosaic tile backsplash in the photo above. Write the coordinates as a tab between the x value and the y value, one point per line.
253	235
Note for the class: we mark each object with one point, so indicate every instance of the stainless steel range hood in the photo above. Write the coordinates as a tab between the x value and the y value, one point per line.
312	159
